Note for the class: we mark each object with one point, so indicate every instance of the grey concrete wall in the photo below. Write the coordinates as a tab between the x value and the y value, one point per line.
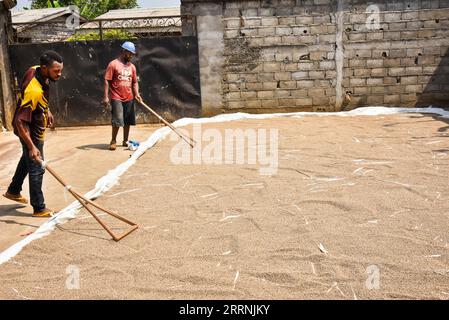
211	47
55	31
324	55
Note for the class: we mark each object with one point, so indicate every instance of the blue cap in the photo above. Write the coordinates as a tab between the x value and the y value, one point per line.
129	46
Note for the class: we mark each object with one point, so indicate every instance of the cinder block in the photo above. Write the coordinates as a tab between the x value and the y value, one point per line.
413	70
233	95
283	31
267	94
316	74
331	74
377	72
298	75
318	55
357	63
409	35
305	65
357	82
232	23
405	98
271	67
254	86
374	63
392	63
413	88
396	71
327	64
269	21
378	90
320	101
362	72
299	93
372	36
246	95
396	26
392	99
397	89
409	80
271	41
288	84
392	35
267	12
318	29
270	85
411	25
361	90
253	104
270	103
414	52
304	84
249	32
235	105
375	100
304	20
398	53
283	76
287	21
303	102
375	81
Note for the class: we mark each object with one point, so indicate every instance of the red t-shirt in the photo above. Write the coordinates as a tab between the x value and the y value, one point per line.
122	77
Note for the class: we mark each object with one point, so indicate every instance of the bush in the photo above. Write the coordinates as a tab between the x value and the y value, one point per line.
107	35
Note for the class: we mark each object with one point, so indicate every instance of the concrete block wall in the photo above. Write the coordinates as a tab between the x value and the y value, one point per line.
56	31
403	62
326	55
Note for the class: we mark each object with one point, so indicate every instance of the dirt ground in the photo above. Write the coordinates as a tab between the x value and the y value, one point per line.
357	210
79	155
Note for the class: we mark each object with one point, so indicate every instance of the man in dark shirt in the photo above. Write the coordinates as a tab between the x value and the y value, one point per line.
31	118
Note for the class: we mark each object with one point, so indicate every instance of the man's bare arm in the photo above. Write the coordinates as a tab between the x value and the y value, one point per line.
106	93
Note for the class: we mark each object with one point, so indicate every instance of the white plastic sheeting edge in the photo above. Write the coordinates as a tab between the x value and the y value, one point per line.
111	178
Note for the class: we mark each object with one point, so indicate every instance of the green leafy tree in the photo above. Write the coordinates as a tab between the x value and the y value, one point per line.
89	9
107	35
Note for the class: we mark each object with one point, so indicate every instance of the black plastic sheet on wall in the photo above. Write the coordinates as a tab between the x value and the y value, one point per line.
167	68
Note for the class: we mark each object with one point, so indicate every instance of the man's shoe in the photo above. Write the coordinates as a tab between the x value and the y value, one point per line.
16	197
125	143
44	213
112	145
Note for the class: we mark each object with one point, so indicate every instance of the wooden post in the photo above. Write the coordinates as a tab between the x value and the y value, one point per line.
8	99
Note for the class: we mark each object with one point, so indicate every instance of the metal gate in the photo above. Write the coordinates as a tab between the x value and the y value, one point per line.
167	66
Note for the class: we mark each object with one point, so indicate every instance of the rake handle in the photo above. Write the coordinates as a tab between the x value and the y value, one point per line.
191	143
84	202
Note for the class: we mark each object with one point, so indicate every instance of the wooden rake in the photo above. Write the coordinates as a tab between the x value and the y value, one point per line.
85	202
189	140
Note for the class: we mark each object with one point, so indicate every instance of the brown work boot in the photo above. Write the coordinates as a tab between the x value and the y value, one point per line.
112	145
16	197
44	213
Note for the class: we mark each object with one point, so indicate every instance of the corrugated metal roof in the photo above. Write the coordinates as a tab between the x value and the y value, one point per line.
140	13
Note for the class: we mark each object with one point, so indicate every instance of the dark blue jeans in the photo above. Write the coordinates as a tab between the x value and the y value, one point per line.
35	171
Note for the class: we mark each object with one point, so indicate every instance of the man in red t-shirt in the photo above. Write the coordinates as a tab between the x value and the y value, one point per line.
120	90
